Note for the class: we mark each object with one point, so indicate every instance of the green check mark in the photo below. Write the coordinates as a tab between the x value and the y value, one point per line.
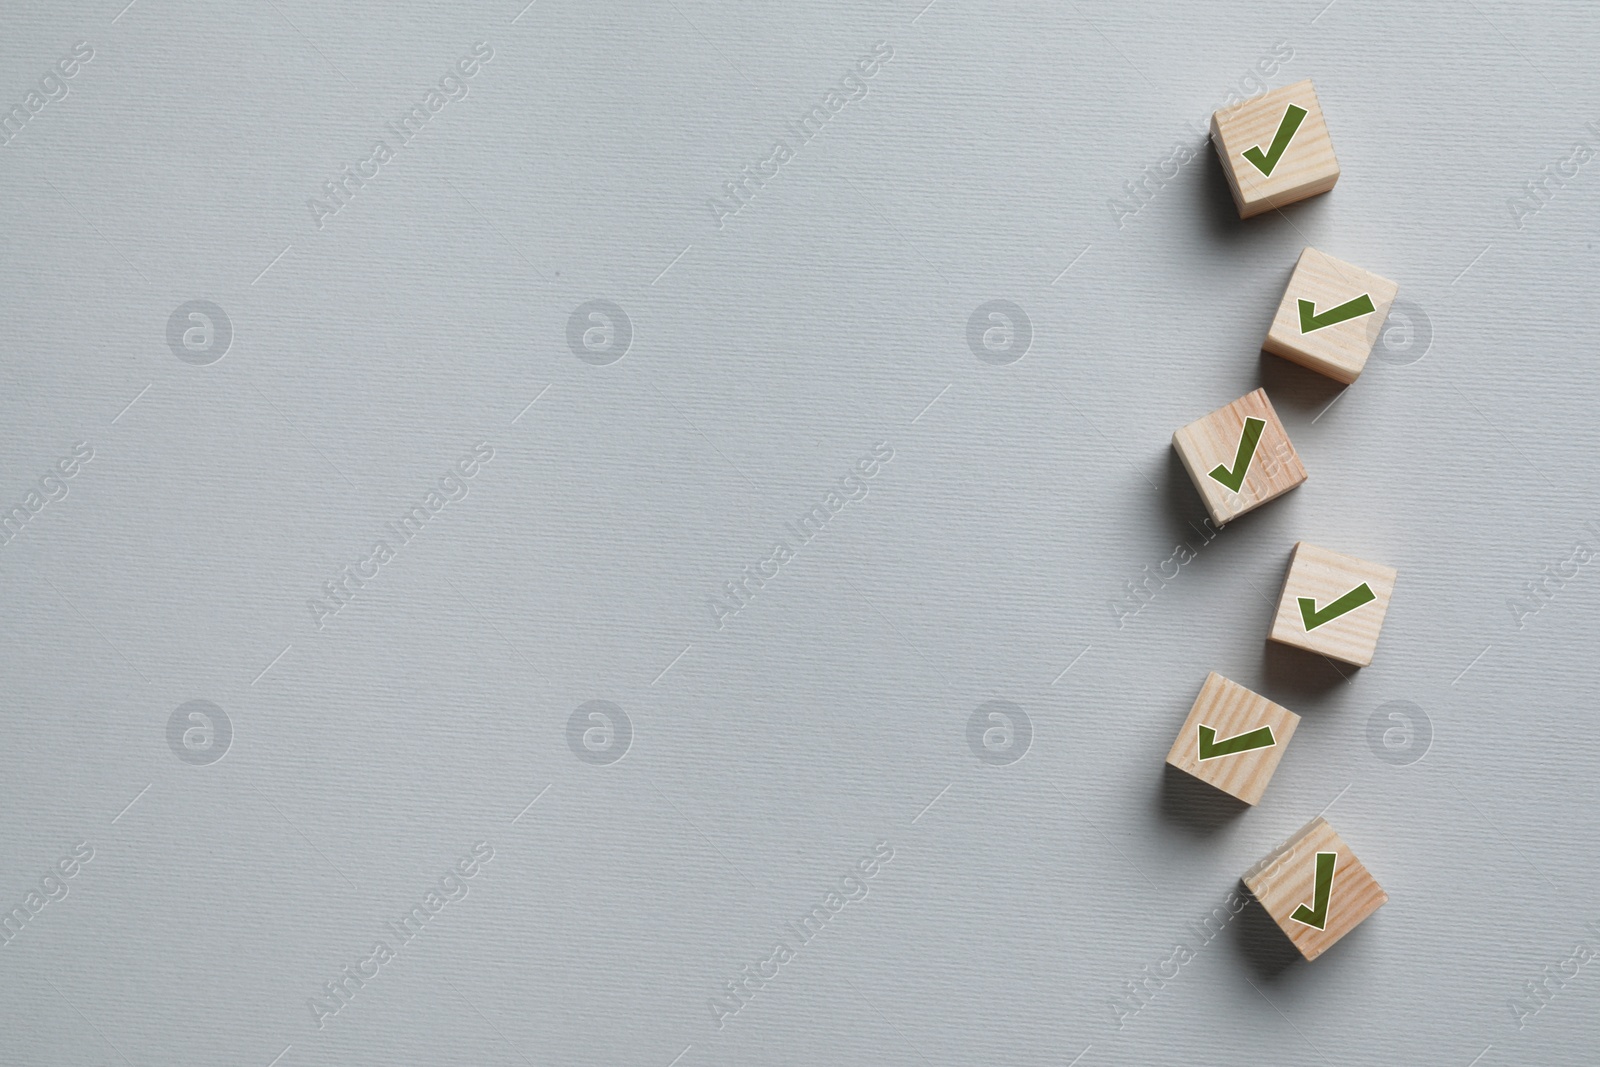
1248	440
1361	594
1317	915
1266	162
1211	748
1350	309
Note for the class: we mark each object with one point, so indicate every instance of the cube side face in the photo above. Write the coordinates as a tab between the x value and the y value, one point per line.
1232	711
1191	446
1245	210
1273	468
1285	884
1336	349
1327	579
1305	164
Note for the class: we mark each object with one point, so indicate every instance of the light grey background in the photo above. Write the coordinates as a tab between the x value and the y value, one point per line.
767	355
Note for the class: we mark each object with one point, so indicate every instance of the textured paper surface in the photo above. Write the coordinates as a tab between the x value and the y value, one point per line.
1028	570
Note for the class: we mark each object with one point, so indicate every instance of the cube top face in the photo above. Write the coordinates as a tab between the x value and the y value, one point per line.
1239	457
1275	150
1233	738
1333	604
1315	888
1331	316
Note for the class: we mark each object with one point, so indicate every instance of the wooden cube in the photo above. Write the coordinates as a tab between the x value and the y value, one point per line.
1331	316
1244	434
1289	883
1233	738
1275	149
1333	604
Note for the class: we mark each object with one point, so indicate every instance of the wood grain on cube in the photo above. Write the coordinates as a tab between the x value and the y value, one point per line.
1286	879
1230	710
1324	577
1306	167
1213	441
1339	350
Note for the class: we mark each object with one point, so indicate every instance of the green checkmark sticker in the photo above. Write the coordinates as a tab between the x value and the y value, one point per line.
1316	916
1350	309
1313	618
1248	439
1211	748
1267	161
